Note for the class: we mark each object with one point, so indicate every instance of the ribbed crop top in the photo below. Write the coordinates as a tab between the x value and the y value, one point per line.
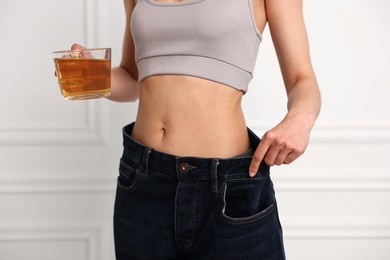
211	39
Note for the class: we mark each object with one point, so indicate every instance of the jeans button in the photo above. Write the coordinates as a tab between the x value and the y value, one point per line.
184	167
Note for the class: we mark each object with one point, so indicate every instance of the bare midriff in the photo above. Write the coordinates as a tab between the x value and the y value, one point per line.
189	116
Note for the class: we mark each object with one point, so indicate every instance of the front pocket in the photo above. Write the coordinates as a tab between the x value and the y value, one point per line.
128	177
245	201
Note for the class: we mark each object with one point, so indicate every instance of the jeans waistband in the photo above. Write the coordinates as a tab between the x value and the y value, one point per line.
189	167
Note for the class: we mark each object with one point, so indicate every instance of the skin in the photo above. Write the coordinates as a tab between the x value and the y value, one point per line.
184	115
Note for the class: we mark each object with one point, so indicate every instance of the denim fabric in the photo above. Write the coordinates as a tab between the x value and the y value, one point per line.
172	207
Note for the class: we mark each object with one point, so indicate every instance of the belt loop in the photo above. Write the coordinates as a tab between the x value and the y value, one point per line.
214	176
146	160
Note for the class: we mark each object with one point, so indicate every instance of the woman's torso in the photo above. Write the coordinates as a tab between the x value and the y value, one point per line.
190	116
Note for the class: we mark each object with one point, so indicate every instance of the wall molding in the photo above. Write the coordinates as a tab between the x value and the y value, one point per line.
328	228
359	132
91	131
319	180
92	232
74	183
343	132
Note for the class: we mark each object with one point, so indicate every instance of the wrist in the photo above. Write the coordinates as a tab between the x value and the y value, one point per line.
301	118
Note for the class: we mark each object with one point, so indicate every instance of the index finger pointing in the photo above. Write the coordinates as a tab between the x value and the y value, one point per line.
258	156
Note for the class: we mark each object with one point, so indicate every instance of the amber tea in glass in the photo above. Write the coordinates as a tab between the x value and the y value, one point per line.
84	74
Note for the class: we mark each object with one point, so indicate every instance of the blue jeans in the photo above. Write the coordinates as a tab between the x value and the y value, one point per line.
171	207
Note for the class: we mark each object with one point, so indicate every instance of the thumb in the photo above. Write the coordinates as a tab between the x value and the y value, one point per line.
77	47
84	53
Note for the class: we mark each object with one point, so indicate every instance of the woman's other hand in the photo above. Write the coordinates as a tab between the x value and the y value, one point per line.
283	144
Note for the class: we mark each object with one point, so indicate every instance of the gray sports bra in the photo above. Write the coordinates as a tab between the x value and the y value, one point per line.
212	39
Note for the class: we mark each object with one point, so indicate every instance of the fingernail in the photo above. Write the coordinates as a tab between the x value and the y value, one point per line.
75	46
251	174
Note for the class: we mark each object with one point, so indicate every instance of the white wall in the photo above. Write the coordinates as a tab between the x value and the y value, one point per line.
58	159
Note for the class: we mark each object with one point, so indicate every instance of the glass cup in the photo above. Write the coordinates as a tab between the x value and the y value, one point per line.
84	74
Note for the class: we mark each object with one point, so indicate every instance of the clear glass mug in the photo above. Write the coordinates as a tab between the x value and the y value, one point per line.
84	74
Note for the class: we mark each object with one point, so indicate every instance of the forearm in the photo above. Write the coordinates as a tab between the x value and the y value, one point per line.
124	87
304	101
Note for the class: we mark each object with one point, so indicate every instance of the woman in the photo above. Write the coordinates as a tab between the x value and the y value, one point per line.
194	180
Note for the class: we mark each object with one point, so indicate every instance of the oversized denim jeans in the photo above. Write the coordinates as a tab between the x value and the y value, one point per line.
172	207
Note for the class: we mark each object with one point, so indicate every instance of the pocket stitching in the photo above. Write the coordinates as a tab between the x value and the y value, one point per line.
133	171
250	219
244	220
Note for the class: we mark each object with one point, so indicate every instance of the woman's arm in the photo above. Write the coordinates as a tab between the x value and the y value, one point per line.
288	140
124	85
